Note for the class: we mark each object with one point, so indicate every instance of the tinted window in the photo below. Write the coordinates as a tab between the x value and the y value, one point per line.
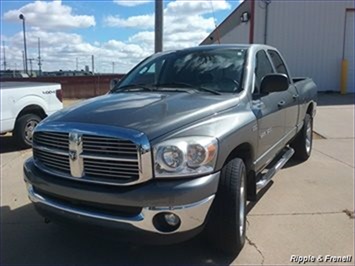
278	63
263	67
149	73
217	69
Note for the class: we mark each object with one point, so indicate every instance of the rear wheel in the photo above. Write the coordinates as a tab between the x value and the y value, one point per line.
304	140
24	130
226	226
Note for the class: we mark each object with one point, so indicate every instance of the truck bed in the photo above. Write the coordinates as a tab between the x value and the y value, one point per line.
298	79
25	84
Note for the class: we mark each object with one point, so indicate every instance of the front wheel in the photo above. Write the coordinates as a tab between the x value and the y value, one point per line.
24	129
226	226
304	140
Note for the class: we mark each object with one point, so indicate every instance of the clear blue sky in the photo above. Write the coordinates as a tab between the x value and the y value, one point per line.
113	31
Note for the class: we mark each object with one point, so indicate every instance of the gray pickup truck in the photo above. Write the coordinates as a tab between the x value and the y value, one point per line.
177	147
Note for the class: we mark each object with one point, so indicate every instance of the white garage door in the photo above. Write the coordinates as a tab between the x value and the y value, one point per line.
349	50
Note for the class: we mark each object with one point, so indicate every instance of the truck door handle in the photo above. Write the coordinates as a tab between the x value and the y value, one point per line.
281	104
258	104
295	96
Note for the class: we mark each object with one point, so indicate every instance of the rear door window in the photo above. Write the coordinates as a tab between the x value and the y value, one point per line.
262	68
278	63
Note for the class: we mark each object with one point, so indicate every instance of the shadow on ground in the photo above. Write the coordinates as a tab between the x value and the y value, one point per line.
33	242
325	99
8	144
27	240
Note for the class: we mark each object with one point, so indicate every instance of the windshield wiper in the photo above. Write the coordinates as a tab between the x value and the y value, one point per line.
208	90
132	87
187	85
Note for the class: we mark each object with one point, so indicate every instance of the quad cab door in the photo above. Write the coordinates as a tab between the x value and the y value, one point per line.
270	114
289	97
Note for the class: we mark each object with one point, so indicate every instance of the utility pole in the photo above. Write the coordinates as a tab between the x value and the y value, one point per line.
23	61
158	26
31	59
39	58
77	64
267	3
22	17
93	64
3	46
113	67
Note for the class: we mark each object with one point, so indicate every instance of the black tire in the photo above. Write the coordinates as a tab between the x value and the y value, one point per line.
23	130
303	143
226	228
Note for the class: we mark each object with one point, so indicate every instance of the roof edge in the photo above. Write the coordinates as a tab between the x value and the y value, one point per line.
225	20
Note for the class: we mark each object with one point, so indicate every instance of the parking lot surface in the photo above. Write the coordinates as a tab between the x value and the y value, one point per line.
308	210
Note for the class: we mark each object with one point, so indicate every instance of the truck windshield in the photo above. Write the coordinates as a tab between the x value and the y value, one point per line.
218	70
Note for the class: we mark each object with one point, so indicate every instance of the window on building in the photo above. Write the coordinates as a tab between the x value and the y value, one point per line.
262	68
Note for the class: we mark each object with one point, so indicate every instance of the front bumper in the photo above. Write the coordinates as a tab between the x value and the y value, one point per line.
189	199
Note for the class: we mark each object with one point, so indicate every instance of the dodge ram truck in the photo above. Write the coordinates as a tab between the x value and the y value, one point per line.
24	105
177	147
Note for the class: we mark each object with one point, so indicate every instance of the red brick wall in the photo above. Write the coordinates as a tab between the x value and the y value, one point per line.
77	87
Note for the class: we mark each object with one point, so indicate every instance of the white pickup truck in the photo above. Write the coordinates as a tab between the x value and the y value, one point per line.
24	105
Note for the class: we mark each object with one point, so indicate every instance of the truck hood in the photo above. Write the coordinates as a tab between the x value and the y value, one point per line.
153	113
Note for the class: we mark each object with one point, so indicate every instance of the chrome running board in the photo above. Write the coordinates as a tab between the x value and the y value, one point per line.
265	179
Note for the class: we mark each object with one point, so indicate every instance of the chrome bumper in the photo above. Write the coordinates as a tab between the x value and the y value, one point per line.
192	215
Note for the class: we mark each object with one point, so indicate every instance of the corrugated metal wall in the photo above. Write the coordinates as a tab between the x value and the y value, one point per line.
309	34
238	34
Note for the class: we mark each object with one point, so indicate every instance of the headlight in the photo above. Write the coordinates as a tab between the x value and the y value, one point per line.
185	156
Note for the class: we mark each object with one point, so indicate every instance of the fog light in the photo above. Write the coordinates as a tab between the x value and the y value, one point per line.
166	222
172	219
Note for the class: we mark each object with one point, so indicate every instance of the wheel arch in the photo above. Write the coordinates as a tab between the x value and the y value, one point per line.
245	152
310	109
32	109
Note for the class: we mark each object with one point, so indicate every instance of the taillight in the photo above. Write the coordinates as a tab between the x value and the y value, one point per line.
59	95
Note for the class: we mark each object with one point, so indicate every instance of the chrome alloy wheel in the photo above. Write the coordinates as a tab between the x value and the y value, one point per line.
29	128
242	203
308	141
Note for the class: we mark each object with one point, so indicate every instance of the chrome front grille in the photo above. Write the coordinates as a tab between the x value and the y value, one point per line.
91	157
55	161
54	140
111	169
109	146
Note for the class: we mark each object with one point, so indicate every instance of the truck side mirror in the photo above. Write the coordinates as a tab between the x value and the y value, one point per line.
113	83
274	83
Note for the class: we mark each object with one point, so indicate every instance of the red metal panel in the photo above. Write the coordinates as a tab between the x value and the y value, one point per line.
77	87
252	21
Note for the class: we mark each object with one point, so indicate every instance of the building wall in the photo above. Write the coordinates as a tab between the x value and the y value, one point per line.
309	34
238	34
